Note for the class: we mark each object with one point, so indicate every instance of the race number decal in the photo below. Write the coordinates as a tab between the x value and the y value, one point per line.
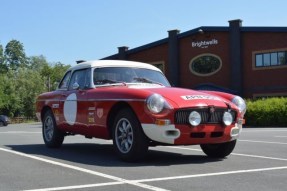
70	109
193	97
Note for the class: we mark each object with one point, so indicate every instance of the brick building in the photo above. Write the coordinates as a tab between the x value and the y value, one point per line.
248	61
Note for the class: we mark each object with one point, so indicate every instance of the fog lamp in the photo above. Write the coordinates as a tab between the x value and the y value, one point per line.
227	118
194	118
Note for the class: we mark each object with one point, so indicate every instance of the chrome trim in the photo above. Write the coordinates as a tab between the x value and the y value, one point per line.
48	100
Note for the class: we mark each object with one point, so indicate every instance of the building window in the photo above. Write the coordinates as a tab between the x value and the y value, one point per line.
159	65
205	64
268	59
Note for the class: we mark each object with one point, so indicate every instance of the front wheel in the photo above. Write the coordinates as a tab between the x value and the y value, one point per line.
129	140
219	150
52	136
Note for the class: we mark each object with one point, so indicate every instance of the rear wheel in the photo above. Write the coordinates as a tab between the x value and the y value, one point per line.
129	140
52	136
219	150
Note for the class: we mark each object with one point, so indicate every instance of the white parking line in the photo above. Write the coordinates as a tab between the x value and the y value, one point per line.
212	174
236	154
251	141
19	132
121	180
280	136
77	187
139	183
262	130
164	178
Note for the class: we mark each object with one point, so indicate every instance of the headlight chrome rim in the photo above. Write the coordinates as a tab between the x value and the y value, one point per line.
240	103
227	118
155	103
194	118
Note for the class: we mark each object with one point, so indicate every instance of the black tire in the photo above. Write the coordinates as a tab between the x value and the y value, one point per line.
52	136
129	140
2	124
219	150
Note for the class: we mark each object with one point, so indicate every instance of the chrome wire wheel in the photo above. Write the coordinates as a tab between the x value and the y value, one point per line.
124	135
48	128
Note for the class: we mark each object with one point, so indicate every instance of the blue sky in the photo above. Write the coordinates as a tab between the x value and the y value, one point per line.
69	30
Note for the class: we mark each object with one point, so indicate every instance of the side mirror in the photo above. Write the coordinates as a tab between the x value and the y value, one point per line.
76	86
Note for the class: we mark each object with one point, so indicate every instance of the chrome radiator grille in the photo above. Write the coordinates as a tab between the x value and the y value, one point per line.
208	116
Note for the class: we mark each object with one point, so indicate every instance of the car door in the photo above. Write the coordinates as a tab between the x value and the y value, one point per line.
62	93
74	102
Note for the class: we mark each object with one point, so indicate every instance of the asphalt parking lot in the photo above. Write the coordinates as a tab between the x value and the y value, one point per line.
259	162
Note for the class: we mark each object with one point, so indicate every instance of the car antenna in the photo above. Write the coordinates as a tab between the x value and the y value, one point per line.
80	61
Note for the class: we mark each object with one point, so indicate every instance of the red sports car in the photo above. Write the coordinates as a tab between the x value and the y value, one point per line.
133	104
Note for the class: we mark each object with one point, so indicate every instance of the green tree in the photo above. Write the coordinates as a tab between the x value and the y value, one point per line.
58	71
37	63
10	103
3	66
22	79
52	74
29	85
15	55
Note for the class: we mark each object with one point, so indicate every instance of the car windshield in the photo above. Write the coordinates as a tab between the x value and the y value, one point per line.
125	75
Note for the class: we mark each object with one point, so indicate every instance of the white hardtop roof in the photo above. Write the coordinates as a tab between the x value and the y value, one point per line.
113	63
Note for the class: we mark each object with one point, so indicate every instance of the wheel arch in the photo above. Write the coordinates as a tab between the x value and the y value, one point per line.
44	110
113	112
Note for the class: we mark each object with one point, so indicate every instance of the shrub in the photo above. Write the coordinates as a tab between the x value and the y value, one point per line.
267	112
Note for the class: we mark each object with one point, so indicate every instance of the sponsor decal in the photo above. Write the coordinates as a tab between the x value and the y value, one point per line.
91	118
193	97
56	113
55	106
204	44
91	108
100	112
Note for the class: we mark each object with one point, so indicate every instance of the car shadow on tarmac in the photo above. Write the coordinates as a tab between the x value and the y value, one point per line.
104	155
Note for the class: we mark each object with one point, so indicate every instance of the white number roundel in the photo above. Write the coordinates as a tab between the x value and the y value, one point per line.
70	109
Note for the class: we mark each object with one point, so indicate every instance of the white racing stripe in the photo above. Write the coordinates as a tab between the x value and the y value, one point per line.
121	180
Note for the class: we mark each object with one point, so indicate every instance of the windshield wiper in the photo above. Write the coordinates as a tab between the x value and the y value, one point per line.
145	80
106	81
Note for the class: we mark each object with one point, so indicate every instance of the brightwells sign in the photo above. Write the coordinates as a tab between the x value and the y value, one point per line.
204	44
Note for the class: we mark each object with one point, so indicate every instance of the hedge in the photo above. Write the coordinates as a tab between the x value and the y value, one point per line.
268	112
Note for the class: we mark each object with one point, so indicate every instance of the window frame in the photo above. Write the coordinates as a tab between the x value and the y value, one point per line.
209	74
68	81
271	65
159	64
86	77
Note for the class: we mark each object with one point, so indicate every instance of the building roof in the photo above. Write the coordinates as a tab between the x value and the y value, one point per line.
195	31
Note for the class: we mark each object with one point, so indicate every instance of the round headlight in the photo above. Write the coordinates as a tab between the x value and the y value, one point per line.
227	118
194	118
155	103
240	103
